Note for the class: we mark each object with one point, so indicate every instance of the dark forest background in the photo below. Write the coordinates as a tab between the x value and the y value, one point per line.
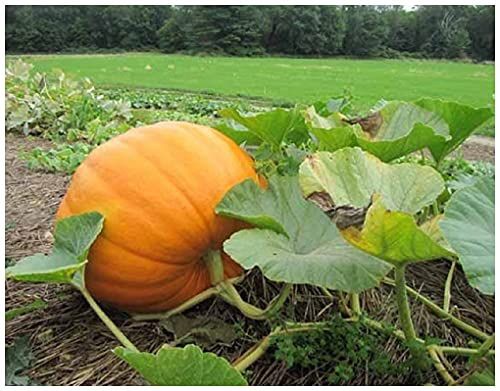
361	31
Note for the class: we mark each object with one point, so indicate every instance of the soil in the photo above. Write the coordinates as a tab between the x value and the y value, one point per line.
72	347
479	148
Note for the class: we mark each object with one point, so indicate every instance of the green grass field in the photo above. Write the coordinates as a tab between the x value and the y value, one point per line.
285	79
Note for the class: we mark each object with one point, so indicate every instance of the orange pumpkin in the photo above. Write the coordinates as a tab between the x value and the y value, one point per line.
157	187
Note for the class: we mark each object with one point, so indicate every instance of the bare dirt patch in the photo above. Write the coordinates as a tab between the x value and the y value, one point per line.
72	346
31	200
479	148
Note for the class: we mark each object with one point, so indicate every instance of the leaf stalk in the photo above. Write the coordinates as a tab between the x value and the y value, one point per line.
106	320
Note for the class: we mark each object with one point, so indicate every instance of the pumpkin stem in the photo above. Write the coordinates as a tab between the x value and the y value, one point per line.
230	294
215	266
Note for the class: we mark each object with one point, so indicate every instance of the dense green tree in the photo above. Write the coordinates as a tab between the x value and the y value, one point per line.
172	36
402	29
333	26
442	30
312	30
366	31
224	29
305	30
481	28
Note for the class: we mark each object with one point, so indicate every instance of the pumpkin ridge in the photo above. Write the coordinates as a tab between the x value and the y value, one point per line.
145	256
104	237
181	191
209	135
219	142
188	133
142	302
98	175
186	285
138	284
166	301
242	158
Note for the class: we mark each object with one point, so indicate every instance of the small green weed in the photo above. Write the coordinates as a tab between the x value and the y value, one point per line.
344	349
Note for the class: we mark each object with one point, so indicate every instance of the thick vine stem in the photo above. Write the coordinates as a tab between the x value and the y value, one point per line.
253	354
226	290
437	310
447	288
344	306
459	351
445	375
485	348
229	293
403	306
106	320
355	304
200	297
206	294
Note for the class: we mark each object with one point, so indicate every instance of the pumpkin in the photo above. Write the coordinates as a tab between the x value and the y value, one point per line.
157	187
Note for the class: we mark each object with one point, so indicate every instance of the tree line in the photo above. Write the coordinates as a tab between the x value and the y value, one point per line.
313	30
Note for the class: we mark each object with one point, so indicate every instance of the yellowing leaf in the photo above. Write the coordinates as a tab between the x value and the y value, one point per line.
394	237
351	176
293	240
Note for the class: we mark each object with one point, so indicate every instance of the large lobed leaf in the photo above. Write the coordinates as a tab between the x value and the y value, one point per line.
354	178
272	127
396	129
73	237
187	366
351	176
18	358
469	227
462	121
395	237
294	241
332	132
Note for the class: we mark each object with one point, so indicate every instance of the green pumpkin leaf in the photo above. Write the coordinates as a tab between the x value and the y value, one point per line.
238	134
394	237
18	358
351	176
433	230
399	128
294	241
396	130
331	132
462	121
272	127
73	237
469	227
187	366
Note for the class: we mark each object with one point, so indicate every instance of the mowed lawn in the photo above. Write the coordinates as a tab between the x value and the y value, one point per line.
285	79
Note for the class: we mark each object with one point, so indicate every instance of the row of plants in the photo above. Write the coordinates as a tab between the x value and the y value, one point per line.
344	206
77	117
189	103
